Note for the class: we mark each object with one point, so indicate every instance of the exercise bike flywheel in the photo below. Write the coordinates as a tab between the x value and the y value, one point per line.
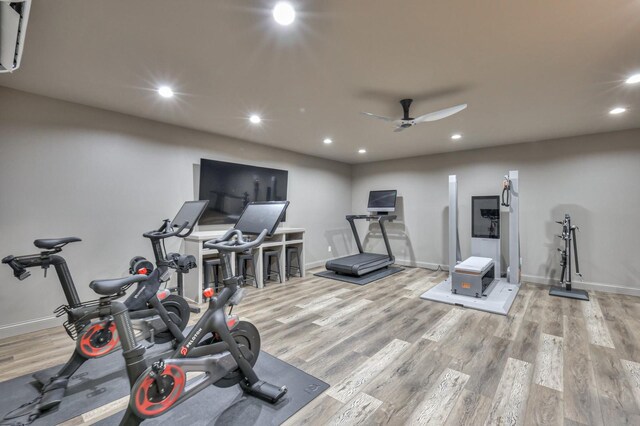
248	339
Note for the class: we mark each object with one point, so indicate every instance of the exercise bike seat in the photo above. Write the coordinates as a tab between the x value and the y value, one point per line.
51	243
115	285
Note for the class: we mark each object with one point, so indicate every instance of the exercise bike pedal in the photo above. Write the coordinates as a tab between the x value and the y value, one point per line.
52	396
42	378
266	391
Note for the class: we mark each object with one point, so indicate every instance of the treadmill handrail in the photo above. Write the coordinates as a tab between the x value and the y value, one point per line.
380	219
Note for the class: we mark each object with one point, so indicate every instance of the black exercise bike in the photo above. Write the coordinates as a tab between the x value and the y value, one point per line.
221	346
156	316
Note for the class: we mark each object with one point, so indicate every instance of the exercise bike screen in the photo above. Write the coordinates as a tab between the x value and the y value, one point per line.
257	217
485	218
190	212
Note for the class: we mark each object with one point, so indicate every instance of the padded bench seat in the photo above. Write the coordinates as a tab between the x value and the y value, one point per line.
474	265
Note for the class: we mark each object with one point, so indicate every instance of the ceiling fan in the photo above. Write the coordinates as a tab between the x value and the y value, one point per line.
406	121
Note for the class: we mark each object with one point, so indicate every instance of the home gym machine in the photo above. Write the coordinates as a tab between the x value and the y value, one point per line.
565	288
357	265
477	282
156	316
221	346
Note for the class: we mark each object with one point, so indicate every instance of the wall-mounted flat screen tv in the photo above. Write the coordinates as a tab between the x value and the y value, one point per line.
229	187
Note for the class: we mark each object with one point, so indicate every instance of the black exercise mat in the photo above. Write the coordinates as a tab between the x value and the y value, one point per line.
365	279
101	381
96	383
216	406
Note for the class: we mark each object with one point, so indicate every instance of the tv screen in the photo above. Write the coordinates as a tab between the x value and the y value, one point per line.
229	187
485	219
382	201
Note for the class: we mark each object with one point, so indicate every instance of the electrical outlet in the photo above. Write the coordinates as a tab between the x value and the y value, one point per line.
329	249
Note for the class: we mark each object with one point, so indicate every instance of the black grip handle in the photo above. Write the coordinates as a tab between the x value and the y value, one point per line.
226	243
575	251
162	234
19	271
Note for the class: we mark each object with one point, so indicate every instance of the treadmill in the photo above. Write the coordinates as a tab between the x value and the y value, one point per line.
381	203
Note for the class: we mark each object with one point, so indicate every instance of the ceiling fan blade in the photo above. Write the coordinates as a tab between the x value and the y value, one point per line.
379	117
439	115
399	129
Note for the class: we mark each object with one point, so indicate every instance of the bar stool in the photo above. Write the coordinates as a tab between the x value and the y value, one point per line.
268	257
242	259
293	253
212	267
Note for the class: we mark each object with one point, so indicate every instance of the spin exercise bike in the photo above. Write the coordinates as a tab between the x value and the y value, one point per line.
221	346
157	316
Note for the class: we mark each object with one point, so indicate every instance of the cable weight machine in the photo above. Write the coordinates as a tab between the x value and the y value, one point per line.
565	288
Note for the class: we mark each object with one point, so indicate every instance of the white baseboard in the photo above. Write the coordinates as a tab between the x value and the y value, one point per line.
593	286
315	264
37	324
586	285
418	264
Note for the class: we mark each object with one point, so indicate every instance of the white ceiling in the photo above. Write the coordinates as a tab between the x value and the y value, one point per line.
529	70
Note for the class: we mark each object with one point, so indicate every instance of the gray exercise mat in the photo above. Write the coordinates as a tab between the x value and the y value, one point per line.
101	381
365	279
96	383
215	406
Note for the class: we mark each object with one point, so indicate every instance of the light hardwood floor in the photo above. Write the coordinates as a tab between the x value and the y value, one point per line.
392	358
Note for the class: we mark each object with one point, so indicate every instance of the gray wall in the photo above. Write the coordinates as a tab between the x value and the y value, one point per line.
67	169
594	178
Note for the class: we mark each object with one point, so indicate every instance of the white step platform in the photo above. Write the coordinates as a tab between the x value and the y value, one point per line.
497	299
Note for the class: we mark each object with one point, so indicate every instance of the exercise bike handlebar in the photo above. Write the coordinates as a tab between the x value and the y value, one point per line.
227	243
19	271
161	234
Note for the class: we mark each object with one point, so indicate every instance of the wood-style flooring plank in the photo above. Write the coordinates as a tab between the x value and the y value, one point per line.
510	401
347	388
580	399
444	325
440	399
358	411
549	362
616	395
510	324
596	326
544	407
469	408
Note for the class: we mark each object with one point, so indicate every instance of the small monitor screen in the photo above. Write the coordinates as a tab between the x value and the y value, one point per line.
257	217
382	200
485	219
190	212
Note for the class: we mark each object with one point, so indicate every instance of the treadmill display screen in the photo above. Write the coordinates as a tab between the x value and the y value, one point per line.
485	217
257	217
382	201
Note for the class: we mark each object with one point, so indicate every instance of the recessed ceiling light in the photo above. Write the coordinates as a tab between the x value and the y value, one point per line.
284	13
633	79
362	151
617	110
255	119
456	136
165	91
327	141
